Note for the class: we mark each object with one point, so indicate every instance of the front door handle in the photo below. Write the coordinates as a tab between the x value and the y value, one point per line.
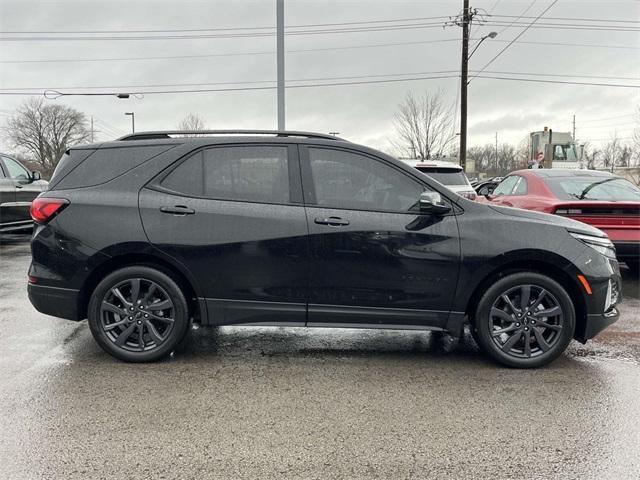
178	210
332	221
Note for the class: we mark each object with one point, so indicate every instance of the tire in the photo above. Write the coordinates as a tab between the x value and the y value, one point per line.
503	328
138	314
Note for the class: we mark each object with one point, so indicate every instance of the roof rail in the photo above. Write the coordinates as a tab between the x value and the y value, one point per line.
159	134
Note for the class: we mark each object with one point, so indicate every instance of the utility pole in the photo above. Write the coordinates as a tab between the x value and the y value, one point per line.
335	134
496	152
280	61
574	127
91	128
466	17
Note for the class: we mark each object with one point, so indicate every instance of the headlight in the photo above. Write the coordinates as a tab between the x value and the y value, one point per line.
599	244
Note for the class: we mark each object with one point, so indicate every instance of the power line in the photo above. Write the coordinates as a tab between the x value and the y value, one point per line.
573	19
518	36
608	118
332	84
228	35
306	79
214	29
268	52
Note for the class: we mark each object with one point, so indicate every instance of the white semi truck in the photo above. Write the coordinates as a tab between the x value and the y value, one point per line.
549	149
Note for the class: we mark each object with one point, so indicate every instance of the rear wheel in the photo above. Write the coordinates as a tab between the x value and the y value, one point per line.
524	320
138	314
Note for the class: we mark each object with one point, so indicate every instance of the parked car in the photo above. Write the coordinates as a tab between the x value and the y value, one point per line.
448	174
486	187
606	201
18	187
148	233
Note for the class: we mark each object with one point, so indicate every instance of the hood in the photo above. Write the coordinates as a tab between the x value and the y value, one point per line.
548	218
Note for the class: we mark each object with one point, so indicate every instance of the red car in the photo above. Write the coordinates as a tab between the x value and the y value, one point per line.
606	201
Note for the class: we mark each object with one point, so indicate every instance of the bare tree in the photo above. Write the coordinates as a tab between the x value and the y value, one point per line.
423	125
192	122
612	153
591	156
45	131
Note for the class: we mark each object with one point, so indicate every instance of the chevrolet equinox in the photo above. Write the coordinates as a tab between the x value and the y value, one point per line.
149	233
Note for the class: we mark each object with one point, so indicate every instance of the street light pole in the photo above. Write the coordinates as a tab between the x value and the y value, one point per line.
464	73
133	121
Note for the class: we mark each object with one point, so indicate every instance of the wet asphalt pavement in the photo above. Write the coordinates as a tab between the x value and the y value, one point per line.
308	403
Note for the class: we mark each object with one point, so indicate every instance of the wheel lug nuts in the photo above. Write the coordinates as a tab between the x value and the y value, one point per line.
517	324
526	328
146	315
131	308
139	322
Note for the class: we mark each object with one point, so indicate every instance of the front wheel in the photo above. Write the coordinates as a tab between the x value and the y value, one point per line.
524	320
138	314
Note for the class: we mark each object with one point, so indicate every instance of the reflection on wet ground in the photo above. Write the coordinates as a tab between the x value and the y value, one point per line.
243	402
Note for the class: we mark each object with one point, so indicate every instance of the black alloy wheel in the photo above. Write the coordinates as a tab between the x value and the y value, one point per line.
524	320
138	314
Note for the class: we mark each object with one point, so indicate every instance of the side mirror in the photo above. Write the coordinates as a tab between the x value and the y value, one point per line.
35	176
431	202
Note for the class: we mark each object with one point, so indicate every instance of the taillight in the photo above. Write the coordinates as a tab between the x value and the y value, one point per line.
44	209
468	195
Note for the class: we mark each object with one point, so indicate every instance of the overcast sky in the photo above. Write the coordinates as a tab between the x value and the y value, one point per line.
362	113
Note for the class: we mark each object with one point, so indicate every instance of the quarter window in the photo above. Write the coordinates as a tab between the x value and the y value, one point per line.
521	187
506	186
255	174
346	180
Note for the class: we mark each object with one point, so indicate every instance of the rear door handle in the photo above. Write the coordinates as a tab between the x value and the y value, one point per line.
331	221
178	210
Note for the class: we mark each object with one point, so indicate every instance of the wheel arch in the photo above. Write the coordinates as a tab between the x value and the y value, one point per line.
547	268
196	309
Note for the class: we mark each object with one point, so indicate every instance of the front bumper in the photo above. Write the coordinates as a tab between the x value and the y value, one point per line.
598	322
627	251
55	301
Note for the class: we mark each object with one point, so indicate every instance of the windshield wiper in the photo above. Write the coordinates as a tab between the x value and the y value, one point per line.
590	187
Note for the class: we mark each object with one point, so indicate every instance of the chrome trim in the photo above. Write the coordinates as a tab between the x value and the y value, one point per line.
15	204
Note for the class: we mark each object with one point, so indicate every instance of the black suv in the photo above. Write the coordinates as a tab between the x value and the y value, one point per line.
18	188
149	233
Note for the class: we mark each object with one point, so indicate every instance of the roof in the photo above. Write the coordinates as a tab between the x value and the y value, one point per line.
198	134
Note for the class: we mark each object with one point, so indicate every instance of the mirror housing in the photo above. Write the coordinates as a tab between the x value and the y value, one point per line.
35	176
431	202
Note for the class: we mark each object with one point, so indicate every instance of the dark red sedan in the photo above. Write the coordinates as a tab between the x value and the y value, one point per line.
606	201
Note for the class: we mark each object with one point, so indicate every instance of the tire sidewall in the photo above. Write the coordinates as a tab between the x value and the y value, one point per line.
181	316
482	327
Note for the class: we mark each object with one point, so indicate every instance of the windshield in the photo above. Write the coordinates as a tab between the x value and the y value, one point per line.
565	153
594	188
446	176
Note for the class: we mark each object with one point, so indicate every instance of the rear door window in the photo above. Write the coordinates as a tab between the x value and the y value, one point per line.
521	186
244	173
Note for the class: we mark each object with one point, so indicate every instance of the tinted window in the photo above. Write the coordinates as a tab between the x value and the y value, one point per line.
506	186
256	174
521	187
15	170
347	180
446	176
594	188
86	168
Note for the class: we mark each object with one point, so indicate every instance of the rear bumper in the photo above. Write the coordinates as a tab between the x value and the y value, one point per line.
58	302
627	250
